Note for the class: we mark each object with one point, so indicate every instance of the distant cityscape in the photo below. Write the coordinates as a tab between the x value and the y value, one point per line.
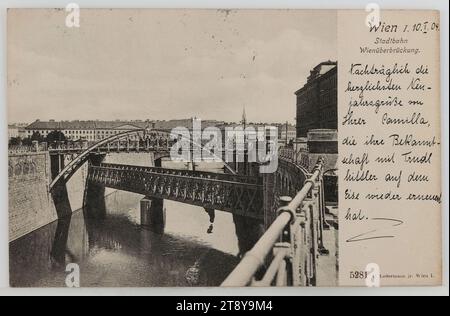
316	106
96	130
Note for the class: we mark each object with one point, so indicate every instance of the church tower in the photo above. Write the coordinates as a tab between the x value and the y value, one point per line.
244	118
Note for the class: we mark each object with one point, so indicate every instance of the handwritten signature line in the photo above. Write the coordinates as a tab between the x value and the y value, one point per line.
359	239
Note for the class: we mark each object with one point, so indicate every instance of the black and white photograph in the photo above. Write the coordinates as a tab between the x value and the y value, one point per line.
172	148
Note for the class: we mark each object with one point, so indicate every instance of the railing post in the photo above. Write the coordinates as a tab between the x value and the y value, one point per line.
310	239
302	249
288	241
284	270
286	236
298	230
319	215
323	207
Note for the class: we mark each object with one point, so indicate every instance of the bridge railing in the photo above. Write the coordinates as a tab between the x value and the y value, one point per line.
294	156
290	246
75	146
134	144
21	149
287	153
184	172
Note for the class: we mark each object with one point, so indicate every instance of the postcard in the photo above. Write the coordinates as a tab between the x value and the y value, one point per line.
232	147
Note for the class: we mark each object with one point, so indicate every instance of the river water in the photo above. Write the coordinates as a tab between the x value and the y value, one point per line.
116	252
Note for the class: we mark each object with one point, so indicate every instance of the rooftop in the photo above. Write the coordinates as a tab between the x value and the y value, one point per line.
319	71
117	124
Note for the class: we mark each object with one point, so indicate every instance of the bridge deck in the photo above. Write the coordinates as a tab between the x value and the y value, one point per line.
187	173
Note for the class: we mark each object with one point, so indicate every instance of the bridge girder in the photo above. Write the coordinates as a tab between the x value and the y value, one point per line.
239	195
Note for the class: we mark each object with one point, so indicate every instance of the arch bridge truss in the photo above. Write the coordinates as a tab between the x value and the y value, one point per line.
151	140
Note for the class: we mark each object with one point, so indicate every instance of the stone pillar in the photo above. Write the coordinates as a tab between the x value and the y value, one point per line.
248	232
158	162
94	195
153	215
59	247
57	163
269	198
94	201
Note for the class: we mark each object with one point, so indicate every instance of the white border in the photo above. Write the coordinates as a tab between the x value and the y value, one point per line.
441	5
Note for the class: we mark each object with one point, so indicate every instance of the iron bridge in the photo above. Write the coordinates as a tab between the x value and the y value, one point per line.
240	195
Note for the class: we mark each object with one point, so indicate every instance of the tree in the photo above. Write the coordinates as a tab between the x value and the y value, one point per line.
55	136
27	141
15	141
37	136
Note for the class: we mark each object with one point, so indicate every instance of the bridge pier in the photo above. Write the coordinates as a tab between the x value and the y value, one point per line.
56	164
59	246
153	214
59	193
94	201
269	199
94	195
158	162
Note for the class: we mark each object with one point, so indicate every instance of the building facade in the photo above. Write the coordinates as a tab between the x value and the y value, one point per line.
287	133
317	100
17	130
84	130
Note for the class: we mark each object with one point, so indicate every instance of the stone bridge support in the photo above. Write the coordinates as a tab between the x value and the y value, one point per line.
153	214
158	162
59	193
269	199
249	230
94	195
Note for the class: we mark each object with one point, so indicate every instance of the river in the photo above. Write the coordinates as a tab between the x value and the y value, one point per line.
116	252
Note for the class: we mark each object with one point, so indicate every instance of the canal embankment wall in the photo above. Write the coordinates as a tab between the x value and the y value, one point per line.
31	205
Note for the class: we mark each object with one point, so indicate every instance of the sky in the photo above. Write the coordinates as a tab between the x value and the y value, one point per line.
163	64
